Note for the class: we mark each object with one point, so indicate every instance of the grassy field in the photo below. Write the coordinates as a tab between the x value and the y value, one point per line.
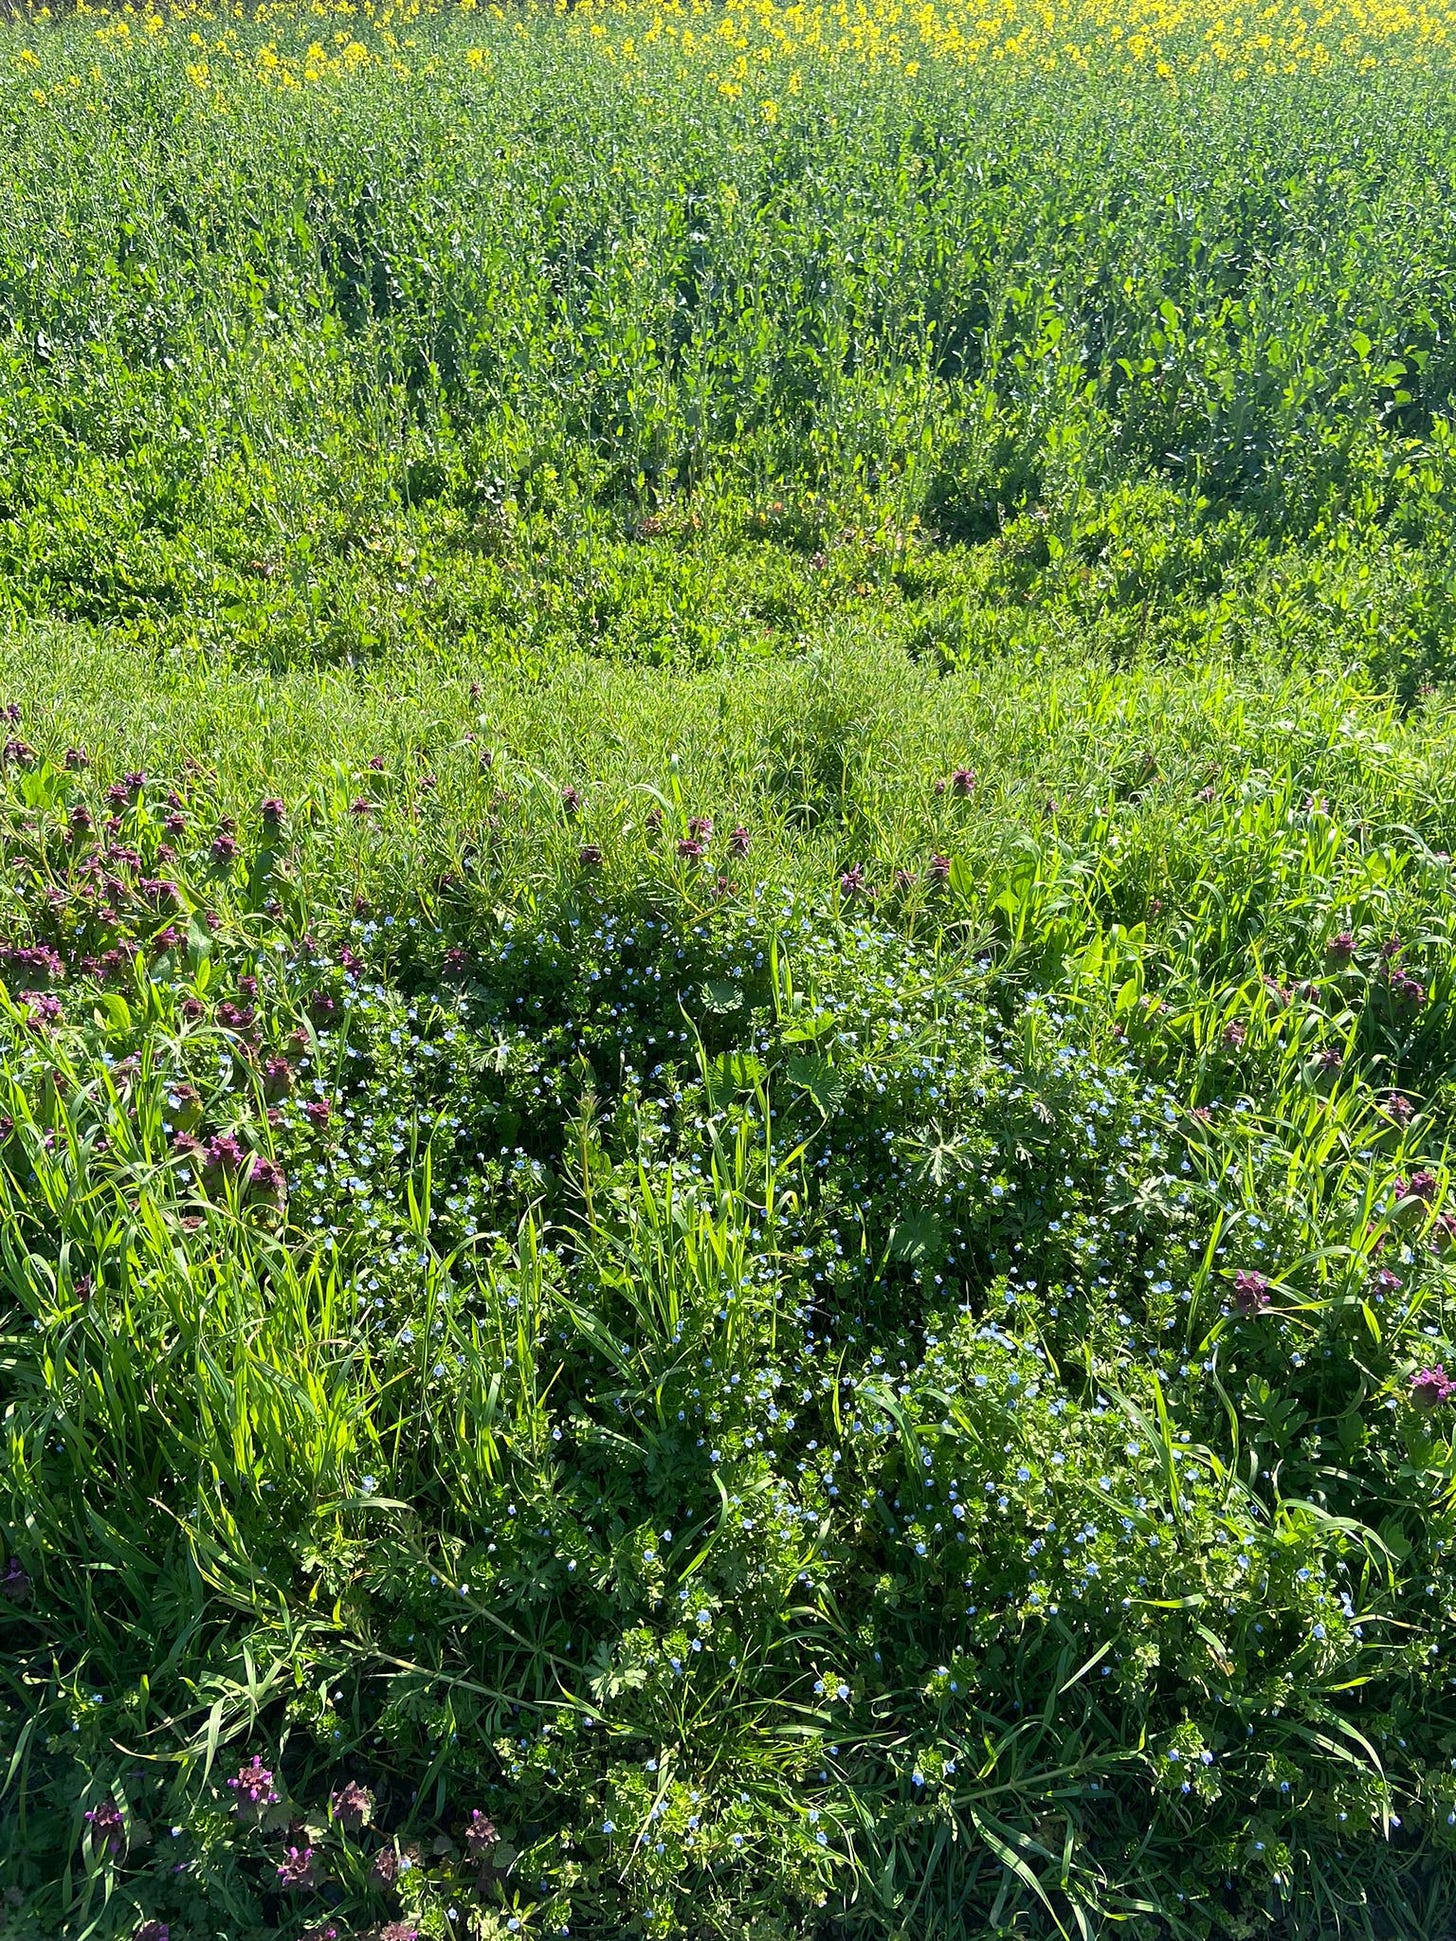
727	1009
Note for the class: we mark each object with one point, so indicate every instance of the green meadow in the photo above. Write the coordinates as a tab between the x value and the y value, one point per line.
727	1014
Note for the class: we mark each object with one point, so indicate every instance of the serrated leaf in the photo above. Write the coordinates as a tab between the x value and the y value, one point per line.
825	1085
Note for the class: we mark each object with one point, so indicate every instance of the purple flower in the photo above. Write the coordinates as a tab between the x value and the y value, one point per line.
277	1078
353	1805
296	1869
108	1827
690	849
480	1835
1251	1291
15	1583
153	1931
1420	1186
590	856
253	1785
272	813
852	881
570	799
399	1931
319	1111
701	828
76	758
939	869
1234	1034
963	781
738	841
266	1181
1408	989
1429	1387
1340	949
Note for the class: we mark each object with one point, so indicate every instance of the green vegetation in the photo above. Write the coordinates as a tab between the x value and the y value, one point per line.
726	995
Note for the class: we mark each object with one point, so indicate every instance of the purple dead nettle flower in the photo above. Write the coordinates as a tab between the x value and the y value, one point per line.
938	869
272	812
1423	1186
223	1153
1251	1291
701	828
852	881
590	856
41	1008
963	781
1408	989
1341	948
296	1869
738	841
361	806
253	1788
15	1582
108	1826
153	1931
319	1111
386	1866
277	1078
352	1805
570	799
75	758
690	849
480	1835
224	848
1429	1387
903	879
399	1931
1234	1035
266	1180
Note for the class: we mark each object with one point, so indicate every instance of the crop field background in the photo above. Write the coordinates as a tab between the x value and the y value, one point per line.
727	1014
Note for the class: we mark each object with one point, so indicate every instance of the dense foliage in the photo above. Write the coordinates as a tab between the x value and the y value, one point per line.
726	984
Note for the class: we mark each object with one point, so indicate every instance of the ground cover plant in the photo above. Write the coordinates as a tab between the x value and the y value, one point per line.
726	973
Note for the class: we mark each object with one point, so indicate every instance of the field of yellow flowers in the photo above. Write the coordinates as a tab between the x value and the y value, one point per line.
727	1015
